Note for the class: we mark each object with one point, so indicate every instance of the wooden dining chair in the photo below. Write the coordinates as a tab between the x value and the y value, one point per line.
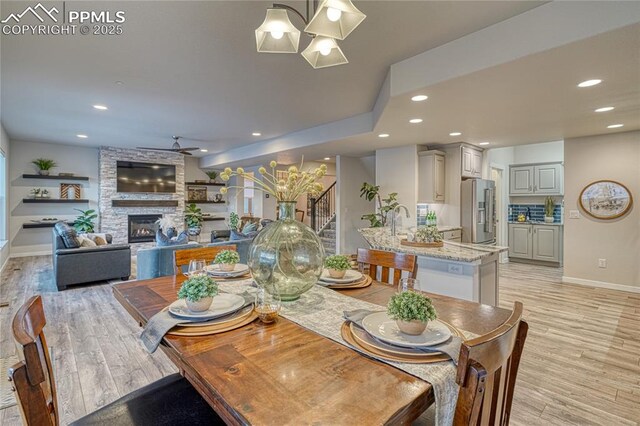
487	371
168	401
300	215
387	260
181	258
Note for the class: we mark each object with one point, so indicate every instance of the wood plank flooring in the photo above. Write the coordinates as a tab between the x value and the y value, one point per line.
581	363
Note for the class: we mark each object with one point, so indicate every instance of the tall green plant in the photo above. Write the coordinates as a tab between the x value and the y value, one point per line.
549	206
193	216
383	205
84	222
234	221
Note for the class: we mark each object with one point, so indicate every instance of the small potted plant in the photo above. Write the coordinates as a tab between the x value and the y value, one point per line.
227	260
44	165
428	234
549	206
198	292
412	311
213	175
337	265
84	222
193	216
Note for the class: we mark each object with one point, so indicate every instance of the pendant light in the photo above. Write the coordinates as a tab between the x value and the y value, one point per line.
277	34
324	52
335	18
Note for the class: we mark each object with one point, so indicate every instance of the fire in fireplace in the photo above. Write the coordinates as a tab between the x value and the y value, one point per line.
143	227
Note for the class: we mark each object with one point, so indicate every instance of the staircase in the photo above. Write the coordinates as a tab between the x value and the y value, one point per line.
323	218
328	237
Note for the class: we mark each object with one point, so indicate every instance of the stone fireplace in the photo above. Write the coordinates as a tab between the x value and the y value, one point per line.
142	227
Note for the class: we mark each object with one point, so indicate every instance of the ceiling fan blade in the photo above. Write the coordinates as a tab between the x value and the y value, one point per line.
190	149
156	149
183	152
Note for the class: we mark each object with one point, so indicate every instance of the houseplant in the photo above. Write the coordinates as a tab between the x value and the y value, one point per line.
84	222
44	165
337	265
227	260
383	205
193	217
198	292
286	257
412	311
213	175
428	234
549	206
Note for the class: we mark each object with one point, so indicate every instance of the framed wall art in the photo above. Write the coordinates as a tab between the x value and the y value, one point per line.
606	199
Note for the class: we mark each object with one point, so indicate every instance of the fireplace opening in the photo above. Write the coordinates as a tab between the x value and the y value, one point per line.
143	227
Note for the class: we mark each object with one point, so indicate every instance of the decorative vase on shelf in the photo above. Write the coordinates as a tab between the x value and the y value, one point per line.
548	219
43	172
286	257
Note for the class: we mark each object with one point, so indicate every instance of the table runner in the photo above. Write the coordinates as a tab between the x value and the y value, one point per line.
321	310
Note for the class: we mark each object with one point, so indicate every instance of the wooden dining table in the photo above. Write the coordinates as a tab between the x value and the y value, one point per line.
285	374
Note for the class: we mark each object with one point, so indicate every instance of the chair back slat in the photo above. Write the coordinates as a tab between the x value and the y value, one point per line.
487	371
33	376
182	258
386	260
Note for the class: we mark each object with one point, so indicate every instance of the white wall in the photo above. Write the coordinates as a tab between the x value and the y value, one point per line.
4	199
588	159
538	152
397	171
79	160
350	174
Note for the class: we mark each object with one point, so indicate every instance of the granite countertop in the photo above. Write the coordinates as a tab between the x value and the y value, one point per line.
533	222
381	239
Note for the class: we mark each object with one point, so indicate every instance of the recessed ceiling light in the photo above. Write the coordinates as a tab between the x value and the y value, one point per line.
256	134
101	107
419	98
204	150
327	158
81	136
484	143
383	135
119	82
604	109
614	126
589	83
415	120
455	134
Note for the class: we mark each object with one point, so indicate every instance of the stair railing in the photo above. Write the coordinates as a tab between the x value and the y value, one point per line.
323	208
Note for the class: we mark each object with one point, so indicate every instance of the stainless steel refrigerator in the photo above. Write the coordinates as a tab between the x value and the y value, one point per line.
477	211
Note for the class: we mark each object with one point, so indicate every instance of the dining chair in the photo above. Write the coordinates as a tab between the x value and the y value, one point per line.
387	260
181	258
300	215
487	371
168	401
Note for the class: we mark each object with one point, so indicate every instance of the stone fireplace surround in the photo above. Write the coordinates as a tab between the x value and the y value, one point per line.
114	220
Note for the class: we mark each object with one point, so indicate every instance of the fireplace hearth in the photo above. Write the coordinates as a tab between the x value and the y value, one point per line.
143	227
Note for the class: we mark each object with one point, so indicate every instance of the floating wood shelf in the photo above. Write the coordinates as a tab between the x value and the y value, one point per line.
144	203
54	200
205	184
32	225
207	219
54	177
205	202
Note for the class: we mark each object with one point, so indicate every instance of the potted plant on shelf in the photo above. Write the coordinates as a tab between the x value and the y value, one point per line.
227	260
337	265
412	311
198	292
193	216
44	165
213	175
84	222
549	206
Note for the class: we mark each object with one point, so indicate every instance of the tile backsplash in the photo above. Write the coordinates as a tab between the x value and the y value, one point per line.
536	212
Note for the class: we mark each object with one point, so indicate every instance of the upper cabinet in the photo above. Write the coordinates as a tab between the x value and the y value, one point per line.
536	179
431	176
471	162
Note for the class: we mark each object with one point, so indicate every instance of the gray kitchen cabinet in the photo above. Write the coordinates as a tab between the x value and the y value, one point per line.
536	179
546	243
431	176
520	241
454	235
471	162
520	180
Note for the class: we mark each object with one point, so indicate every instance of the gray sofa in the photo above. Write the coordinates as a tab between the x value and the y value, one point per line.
158	261
88	264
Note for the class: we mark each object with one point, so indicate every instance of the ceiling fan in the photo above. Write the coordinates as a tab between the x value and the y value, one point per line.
174	148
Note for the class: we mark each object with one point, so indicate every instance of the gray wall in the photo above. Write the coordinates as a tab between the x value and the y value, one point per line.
4	199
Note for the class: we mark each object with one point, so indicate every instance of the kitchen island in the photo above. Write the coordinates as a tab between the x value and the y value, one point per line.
465	271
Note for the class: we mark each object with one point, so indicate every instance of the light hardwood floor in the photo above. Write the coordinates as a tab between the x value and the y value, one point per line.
581	361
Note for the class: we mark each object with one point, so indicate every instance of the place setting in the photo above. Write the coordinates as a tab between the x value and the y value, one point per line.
337	274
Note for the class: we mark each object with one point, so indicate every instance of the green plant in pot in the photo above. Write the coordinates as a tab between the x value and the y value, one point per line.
84	222
383	205
198	292
412	311
44	165
549	206
193	217
227	260
213	175
337	265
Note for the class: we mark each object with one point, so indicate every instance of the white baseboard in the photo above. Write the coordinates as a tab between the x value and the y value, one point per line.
5	264
31	253
600	284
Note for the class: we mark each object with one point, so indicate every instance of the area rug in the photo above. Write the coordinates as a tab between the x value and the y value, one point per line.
7	398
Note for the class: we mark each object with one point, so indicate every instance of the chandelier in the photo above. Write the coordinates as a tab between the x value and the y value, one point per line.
332	20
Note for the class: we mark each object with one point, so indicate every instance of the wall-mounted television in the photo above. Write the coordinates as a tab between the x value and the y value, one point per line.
145	177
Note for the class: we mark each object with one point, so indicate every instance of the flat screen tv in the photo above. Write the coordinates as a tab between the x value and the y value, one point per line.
146	177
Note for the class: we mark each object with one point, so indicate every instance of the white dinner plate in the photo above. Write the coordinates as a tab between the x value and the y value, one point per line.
349	277
239	269
222	304
380	326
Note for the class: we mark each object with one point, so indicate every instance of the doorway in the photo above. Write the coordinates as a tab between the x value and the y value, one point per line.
497	175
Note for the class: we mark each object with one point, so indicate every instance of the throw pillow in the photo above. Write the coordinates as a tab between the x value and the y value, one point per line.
182	238
235	235
164	241
250	227
68	235
86	241
100	241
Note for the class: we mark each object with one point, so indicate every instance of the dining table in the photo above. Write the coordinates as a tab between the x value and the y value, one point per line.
285	374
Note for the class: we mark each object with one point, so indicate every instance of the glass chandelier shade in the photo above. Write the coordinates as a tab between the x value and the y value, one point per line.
324	52
277	34
335	19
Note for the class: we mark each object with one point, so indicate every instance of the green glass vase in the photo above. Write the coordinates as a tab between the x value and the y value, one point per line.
286	257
